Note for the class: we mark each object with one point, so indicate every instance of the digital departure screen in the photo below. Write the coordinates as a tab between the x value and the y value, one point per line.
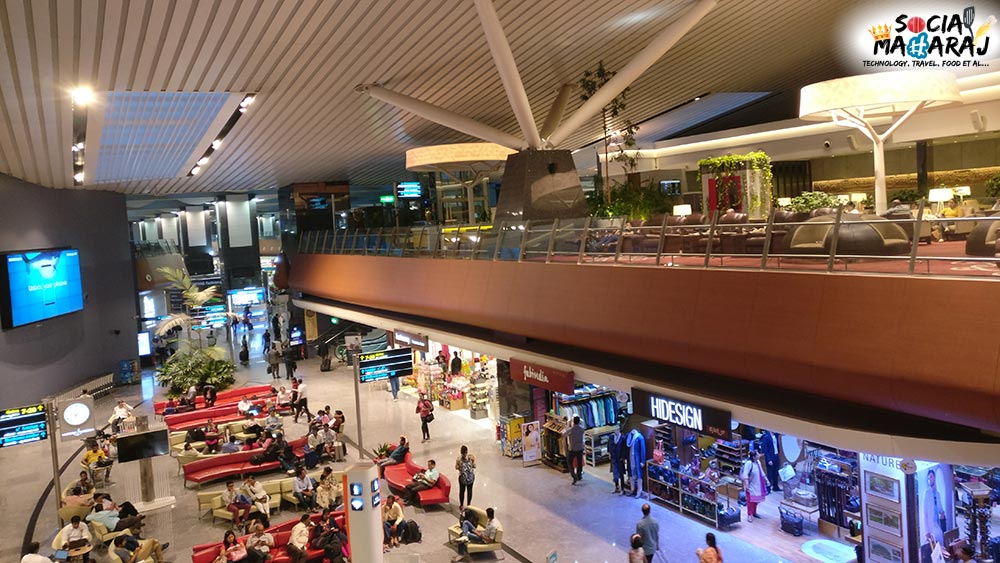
40	285
376	366
22	425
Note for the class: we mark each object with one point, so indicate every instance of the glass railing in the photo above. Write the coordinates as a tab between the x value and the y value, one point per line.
836	241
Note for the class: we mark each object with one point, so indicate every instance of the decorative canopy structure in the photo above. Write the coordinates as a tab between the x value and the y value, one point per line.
853	101
479	159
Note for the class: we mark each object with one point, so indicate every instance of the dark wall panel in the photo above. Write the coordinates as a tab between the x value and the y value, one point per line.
871	340
50	356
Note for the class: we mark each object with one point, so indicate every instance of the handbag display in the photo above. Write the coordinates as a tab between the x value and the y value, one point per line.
791	521
658	455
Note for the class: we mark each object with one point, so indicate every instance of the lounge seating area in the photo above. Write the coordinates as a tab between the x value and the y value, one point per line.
495	546
211	468
229	396
400	475
219	414
206	553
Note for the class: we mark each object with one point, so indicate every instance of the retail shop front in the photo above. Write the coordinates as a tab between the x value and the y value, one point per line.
707	465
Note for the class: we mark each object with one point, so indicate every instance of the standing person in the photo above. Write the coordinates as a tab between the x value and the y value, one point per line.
276	326
636	554
31	554
710	553
618	451
754	484
769	445
394	387
266	341
274	360
302	402
442	359
456	365
465	464
575	458
245	354
290	365
425	409
649	530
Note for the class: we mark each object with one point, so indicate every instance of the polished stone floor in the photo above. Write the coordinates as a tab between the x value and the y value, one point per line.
539	508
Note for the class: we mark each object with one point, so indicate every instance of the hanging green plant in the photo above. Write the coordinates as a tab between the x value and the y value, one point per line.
724	170
993	186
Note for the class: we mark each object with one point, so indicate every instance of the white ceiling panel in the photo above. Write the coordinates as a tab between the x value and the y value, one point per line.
304	58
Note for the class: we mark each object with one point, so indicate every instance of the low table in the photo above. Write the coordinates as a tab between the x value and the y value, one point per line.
806	510
80	553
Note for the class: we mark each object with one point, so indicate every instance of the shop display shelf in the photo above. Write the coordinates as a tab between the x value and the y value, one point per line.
595	445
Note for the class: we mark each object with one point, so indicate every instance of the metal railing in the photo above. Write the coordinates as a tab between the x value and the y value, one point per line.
838	242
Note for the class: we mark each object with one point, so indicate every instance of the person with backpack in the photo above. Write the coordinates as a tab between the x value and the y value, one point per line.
425	409
465	464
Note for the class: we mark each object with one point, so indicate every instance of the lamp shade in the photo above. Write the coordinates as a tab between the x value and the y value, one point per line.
964	191
858	197
682	210
784	201
878	94
843	198
938	195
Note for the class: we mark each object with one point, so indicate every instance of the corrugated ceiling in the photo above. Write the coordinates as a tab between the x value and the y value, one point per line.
304	58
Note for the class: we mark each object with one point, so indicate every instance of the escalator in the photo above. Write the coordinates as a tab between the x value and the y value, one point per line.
372	339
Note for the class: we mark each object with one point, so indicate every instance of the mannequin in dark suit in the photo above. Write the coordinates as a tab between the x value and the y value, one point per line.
769	447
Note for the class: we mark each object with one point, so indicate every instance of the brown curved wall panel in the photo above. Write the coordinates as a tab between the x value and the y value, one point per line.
923	346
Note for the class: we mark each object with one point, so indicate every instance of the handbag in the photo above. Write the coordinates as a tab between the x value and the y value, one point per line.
786	472
268	369
428	418
658	453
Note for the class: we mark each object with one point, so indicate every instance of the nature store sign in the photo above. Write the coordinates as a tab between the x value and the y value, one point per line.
943	35
704	420
542	376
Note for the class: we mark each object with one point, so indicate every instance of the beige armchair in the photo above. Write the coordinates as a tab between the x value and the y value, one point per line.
67	513
102	534
497	545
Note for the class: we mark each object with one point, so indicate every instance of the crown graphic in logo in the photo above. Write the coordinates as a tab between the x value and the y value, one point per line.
880	32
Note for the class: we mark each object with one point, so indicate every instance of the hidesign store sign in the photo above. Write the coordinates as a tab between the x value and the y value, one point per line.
953	36
704	420
542	376
415	341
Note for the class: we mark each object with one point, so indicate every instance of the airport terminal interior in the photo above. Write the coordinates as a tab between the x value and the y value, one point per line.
329	281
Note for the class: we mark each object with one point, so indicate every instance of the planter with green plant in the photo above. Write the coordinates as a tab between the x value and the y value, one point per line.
750	173
809	201
382	450
194	362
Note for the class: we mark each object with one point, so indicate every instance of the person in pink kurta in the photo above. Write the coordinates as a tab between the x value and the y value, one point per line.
753	483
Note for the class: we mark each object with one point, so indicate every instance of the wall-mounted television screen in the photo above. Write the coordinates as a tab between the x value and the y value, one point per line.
39	284
140	446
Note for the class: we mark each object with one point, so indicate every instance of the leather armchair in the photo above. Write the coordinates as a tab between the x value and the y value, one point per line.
730	235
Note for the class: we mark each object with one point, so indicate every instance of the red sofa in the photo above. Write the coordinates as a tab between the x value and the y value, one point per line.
400	475
206	553
219	414
228	465
223	397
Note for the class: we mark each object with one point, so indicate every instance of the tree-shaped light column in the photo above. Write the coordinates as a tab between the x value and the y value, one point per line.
855	100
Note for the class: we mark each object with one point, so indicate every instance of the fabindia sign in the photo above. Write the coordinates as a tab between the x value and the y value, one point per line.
704	420
542	376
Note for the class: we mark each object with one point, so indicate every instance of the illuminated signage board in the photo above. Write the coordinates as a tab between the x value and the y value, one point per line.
22	425
704	420
409	190
387	199
376	366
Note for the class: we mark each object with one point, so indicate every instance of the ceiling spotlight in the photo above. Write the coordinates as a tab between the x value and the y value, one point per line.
203	161
77	147
243	110
246	101
78	177
81	95
696	98
216	143
195	170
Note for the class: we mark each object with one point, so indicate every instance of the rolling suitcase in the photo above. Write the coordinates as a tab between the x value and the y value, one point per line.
324	365
791	521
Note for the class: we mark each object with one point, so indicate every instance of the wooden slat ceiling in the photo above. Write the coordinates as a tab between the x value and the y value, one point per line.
304	57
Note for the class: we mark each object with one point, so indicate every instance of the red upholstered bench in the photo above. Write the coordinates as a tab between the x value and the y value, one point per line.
206	553
228	465
223	397
192	419
440	493
400	475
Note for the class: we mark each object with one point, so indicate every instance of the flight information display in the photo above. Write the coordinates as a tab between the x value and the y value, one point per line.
376	366
21	425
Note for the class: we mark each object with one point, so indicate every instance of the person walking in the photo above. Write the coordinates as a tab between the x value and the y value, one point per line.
649	530
466	467
636	554
754	484
267	341
290	365
710	553
425	409
302	402
575	458
274	360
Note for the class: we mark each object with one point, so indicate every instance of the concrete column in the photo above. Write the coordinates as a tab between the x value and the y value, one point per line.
363	512
196	240
239	248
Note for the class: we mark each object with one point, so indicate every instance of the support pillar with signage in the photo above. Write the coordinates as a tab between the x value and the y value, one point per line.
363	497
239	247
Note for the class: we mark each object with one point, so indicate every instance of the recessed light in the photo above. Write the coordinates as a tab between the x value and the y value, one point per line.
216	143
78	177
203	161
195	170
81	95
246	101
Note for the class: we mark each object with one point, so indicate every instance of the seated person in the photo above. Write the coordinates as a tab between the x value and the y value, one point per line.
75	534
232	549
249	444
96	459
255	491
78	497
84	482
243	407
283	453
950	211
121	411
330	538
31	554
393	523
337	424
396	456
898	208
211	437
329	440
143	549
170	407
326	490
259	544
298	541
113	520
469	534
314	441
284	397
236	502
322	416
273	422
232	446
304	491
421	482
251	426
189	451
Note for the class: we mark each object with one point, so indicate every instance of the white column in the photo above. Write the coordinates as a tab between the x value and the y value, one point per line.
627	75
557	110
364	519
507	68
194	219
881	203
